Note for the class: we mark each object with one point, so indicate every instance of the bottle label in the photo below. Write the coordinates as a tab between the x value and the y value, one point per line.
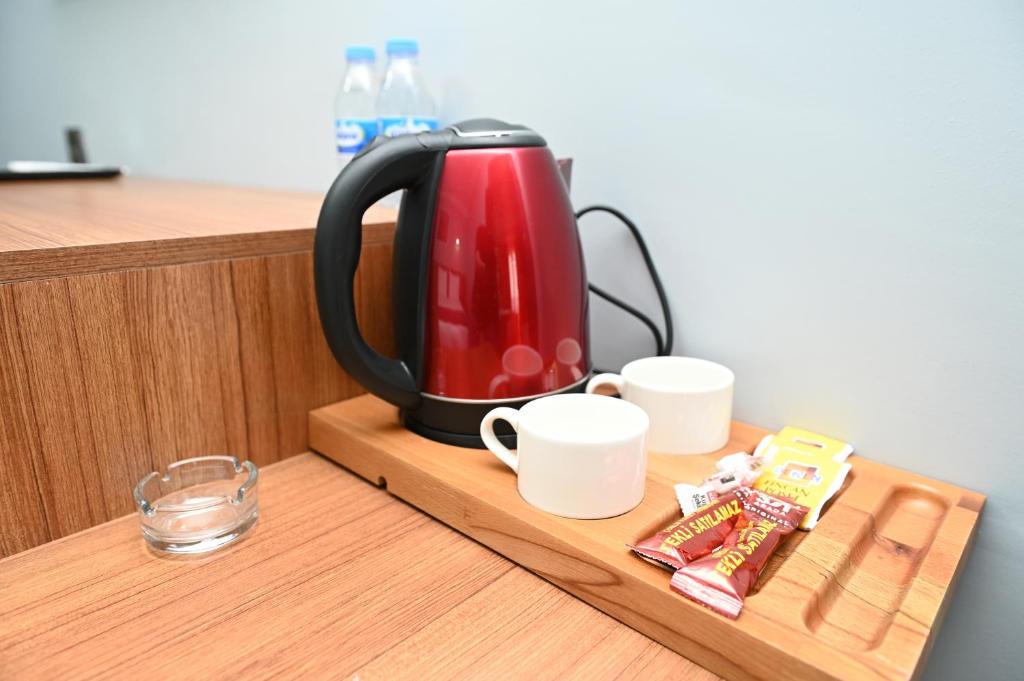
392	126
352	134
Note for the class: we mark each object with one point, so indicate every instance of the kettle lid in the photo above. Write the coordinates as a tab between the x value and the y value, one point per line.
477	133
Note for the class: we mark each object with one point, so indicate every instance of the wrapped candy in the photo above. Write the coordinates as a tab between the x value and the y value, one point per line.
692	536
722	579
733	471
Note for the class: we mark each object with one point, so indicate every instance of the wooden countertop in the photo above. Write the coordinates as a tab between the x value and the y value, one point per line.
62	227
339	579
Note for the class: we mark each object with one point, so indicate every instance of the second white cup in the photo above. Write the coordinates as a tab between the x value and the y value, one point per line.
689	401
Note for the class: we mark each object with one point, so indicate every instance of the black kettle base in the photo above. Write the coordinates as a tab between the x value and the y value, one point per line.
457	422
457	439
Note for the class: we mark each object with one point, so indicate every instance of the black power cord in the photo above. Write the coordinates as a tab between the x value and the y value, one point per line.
663	345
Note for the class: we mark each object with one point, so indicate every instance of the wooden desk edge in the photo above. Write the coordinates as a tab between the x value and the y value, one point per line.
47	263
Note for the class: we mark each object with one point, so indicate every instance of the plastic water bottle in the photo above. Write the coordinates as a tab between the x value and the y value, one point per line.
355	113
404	105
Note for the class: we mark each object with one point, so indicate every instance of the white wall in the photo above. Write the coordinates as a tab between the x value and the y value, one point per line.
833	190
31	105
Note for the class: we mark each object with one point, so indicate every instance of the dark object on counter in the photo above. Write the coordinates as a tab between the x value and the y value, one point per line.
78	167
56	170
76	145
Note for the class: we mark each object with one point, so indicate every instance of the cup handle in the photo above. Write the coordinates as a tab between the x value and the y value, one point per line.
491	441
613	380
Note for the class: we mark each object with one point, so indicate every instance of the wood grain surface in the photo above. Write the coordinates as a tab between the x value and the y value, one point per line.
861	596
338	580
59	228
105	377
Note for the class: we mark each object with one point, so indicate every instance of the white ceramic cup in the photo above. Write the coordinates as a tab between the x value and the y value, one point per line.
689	401
579	456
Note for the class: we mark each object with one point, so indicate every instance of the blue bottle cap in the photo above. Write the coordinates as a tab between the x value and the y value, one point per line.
403	47
360	53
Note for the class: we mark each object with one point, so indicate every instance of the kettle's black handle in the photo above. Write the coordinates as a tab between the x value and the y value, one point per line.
386	166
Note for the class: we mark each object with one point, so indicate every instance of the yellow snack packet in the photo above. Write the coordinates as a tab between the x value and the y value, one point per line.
814	444
805	477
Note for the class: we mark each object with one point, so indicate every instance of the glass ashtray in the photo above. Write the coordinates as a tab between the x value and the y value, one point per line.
198	505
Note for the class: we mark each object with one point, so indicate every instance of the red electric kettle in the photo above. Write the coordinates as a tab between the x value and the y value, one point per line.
490	290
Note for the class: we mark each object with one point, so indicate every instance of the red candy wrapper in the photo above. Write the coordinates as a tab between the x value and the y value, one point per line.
692	536
722	579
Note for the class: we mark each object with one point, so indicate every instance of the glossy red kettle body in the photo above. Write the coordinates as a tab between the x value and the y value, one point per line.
490	289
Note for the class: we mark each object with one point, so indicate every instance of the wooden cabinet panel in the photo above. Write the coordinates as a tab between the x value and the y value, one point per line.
108	376
23	520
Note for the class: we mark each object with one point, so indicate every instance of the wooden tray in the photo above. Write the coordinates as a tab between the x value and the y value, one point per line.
861	596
